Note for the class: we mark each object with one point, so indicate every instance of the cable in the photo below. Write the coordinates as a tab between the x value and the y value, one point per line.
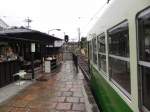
94	16
101	8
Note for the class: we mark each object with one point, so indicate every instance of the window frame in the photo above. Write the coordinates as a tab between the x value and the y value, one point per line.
120	87
114	28
100	53
141	63
121	58
98	44
90	50
94	49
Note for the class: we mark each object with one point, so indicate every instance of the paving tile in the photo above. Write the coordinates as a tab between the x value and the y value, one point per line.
20	103
73	111
30	97
52	105
75	89
65	89
63	106
77	86
77	94
58	93
39	110
49	105
78	106
61	99
34	104
69	86
58	111
72	99
82	100
66	93
80	82
69	83
20	110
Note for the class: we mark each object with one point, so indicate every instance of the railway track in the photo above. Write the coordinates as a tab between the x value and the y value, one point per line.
83	64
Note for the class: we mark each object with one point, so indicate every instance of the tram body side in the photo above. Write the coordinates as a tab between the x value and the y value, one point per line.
119	54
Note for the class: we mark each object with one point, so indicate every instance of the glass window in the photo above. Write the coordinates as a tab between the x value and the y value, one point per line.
101	43
144	37
119	65
94	51
144	57
118	39
90	50
120	72
101	52
102	62
146	86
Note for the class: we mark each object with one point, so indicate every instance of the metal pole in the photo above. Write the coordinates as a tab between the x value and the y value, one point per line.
79	36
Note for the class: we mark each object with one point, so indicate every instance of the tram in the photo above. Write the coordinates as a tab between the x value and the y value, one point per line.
119	54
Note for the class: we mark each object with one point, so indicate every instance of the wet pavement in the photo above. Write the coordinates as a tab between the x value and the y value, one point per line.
12	89
61	92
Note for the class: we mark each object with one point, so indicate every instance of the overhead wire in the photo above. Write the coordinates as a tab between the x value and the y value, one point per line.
95	15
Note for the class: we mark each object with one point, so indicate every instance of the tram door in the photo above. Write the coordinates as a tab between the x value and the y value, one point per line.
144	58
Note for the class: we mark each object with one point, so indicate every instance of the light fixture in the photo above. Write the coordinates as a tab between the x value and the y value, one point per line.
54	29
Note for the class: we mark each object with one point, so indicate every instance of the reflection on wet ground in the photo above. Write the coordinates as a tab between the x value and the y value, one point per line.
62	92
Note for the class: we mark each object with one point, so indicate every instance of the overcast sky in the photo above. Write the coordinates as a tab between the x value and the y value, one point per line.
51	14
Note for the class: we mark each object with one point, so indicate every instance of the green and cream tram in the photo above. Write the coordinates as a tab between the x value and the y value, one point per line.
119	52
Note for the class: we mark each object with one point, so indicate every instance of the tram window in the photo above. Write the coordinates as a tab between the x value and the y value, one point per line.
145	86
102	62
143	20
144	38
90	50
118	39
94	51
120	72
101	43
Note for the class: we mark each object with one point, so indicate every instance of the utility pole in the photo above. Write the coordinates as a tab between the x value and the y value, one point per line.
79	33
28	20
108	1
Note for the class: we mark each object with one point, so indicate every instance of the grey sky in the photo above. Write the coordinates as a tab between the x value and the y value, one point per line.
51	14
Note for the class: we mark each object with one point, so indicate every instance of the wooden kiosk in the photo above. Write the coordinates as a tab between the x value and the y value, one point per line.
15	52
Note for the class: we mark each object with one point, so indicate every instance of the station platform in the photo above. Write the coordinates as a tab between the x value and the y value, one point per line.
64	91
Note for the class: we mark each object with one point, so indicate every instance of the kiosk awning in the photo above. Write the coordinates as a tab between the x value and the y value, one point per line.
28	35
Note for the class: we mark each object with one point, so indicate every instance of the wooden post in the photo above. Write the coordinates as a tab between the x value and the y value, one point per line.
32	64
32	58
